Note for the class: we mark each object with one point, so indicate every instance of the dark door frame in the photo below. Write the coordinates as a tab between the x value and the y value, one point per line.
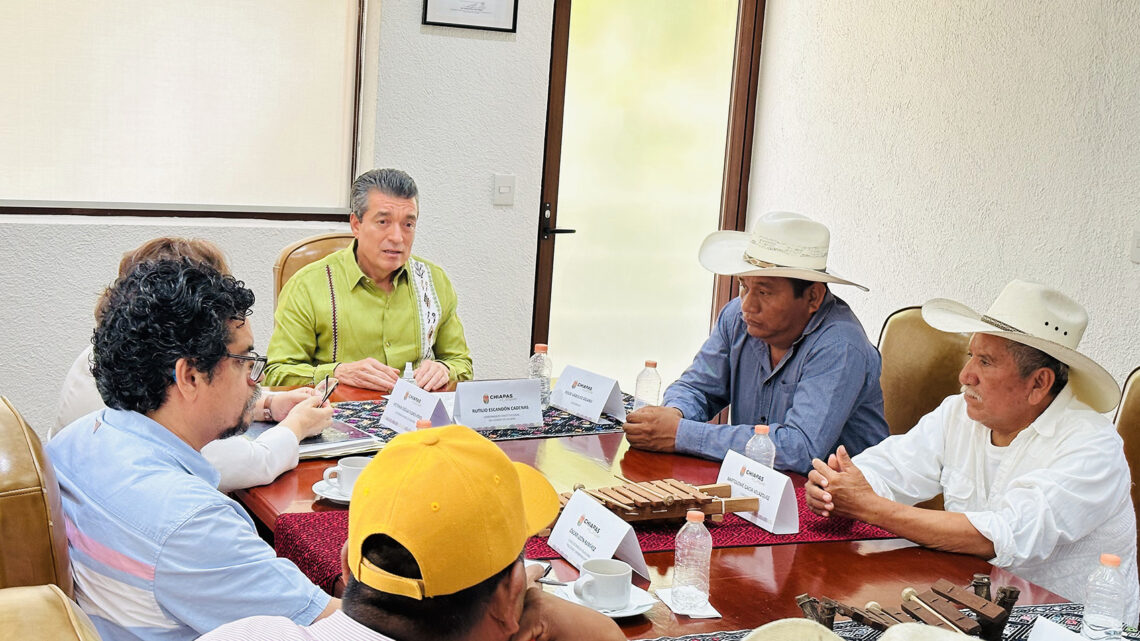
737	162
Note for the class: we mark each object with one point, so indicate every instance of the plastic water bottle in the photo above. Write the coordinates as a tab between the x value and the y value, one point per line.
647	390
541	368
408	374
760	447
1104	600
691	565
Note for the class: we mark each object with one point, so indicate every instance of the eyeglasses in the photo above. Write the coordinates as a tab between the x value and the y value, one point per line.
257	366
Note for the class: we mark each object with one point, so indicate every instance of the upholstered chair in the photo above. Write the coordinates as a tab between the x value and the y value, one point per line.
920	367
43	613
33	538
1128	424
303	252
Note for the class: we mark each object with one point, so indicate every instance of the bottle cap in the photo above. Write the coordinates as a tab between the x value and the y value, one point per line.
408	371
422	424
697	516
651	364
1111	560
540	348
761	429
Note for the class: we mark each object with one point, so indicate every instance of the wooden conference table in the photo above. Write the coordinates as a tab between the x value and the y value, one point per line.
749	586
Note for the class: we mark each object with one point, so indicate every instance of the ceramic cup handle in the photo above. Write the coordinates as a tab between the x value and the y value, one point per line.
584	589
332	476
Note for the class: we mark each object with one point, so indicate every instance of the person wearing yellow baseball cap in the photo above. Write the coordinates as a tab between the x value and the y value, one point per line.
436	530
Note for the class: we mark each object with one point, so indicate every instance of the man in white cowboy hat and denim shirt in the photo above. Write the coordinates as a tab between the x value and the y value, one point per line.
787	353
1033	475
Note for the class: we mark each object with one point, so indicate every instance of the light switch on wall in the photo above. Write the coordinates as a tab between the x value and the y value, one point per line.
504	190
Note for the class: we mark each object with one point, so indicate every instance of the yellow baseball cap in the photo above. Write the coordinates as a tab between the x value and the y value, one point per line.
455	501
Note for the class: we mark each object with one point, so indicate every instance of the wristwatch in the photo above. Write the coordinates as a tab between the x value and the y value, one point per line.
268	413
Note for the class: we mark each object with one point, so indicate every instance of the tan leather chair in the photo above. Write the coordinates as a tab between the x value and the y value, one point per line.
1128	425
33	538
920	367
302	253
43	613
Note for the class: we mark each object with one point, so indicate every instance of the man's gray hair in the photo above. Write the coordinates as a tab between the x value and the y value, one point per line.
1030	359
390	182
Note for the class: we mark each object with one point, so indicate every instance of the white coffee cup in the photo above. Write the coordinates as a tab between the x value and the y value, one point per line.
604	584
343	475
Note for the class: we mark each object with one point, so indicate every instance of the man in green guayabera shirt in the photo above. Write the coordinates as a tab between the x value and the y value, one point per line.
362	313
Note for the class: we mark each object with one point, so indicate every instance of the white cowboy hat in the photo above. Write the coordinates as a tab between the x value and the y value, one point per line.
1042	318
792	630
782	244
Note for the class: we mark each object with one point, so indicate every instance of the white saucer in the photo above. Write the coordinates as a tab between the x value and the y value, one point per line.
640	602
326	490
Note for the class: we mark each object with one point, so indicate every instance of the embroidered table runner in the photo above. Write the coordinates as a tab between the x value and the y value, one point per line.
365	416
313	540
1017	629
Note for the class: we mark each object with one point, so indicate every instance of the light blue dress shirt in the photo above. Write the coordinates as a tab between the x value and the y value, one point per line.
157	552
824	393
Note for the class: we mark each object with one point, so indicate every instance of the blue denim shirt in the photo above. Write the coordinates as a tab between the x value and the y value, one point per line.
158	553
824	393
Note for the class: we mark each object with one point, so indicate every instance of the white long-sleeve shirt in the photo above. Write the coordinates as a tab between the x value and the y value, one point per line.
1058	499
242	462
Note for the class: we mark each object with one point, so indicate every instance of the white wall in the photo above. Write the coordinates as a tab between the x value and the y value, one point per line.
954	146
949	146
53	269
455	107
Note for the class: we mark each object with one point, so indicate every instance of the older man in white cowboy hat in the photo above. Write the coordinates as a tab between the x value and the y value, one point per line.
1033	475
787	353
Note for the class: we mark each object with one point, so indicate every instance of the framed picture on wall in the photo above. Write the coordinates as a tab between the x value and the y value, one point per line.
491	15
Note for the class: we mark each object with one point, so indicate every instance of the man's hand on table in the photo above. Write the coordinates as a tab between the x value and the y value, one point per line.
653	428
546	617
838	488
308	417
280	404
432	375
368	373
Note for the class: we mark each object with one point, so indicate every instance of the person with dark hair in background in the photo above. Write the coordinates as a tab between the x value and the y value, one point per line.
240	461
361	314
156	551
436	530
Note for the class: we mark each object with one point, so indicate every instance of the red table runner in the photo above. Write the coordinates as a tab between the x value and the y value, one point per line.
313	540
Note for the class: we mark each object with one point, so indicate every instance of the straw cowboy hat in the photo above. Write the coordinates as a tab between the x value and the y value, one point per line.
807	630
1042	318
782	244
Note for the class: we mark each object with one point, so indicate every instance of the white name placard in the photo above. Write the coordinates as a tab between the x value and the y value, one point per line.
587	530
407	404
485	405
587	395
1045	630
778	512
